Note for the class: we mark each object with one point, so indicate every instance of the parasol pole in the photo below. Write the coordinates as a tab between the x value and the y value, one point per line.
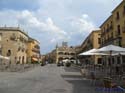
121	63
110	62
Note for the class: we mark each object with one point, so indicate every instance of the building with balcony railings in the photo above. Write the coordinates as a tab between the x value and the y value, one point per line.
92	41
113	30
33	50
119	24
13	44
64	52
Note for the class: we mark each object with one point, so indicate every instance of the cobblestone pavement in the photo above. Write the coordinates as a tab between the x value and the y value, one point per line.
46	79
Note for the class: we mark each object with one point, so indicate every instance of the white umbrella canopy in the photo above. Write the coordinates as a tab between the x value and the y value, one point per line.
111	49
118	53
92	52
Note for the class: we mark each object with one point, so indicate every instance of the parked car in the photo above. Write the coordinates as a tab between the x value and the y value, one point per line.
42	64
58	64
61	63
73	61
68	64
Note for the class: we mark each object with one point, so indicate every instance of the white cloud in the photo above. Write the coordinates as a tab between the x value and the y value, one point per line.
53	27
53	40
83	24
81	27
27	17
85	16
49	31
48	20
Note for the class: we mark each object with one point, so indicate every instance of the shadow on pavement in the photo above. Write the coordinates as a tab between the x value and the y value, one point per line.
79	84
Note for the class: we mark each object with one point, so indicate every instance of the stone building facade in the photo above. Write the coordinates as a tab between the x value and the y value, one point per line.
13	44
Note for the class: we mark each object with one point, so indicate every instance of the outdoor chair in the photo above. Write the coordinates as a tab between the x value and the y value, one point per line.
108	85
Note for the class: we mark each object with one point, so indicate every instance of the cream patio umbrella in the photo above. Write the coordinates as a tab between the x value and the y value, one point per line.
112	50
92	52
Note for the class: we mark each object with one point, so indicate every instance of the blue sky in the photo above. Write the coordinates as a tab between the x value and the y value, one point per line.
54	21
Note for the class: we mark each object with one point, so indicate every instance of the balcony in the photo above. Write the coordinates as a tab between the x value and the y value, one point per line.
19	48
110	38
23	49
66	53
37	46
36	50
103	33
72	53
13	37
22	39
61	53
118	33
107	30
111	27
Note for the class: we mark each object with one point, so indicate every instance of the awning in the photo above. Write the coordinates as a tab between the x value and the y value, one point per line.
34	59
3	57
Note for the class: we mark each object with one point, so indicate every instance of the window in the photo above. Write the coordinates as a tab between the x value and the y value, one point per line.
8	52
124	10
104	29
112	35
123	28
22	59
118	29
99	40
13	36
111	22
108	37
117	15
111	25
0	51
107	27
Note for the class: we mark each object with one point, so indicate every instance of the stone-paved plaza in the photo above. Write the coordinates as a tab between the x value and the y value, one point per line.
47	79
